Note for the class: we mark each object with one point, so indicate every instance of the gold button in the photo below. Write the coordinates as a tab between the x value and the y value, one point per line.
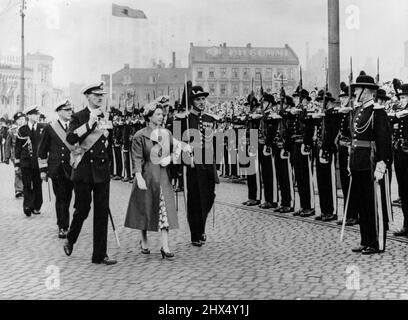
91	161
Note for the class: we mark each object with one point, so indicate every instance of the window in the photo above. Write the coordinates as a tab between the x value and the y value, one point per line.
44	74
257	72
18	100
212	89
235	89
127	80
246	73
211	73
223	89
235	73
290	74
200	74
223	72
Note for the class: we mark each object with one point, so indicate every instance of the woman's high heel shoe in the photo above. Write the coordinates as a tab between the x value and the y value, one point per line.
166	255
143	250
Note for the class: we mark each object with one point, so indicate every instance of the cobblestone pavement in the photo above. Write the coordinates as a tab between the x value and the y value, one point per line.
250	254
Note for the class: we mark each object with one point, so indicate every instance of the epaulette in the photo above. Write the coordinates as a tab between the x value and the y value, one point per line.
378	107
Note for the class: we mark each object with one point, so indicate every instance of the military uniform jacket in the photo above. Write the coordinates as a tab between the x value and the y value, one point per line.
94	166
329	133
127	132
206	121
53	154
370	125
27	145
274	135
294	128
399	132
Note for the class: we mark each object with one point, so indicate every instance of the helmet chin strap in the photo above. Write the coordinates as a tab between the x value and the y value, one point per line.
359	97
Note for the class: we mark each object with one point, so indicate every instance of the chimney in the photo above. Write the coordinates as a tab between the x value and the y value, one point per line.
174	60
126	65
248	45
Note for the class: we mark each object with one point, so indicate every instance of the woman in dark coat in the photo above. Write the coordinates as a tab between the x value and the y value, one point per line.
152	205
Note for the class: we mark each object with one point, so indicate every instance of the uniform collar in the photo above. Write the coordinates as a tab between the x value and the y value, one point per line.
367	103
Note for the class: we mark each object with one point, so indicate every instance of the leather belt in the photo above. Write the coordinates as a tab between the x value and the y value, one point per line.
298	140
362	143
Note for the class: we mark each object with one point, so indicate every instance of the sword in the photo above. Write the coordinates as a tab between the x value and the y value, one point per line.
213	210
113	227
379	215
343	226
49	192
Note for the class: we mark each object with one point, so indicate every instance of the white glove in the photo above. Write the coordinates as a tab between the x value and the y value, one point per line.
284	154
141	183
302	150
267	151
321	159
380	169
43	176
345	109
165	161
402	113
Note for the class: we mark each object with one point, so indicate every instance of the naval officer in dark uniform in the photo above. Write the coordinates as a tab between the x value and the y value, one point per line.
28	138
370	155
200	179
53	160
90	173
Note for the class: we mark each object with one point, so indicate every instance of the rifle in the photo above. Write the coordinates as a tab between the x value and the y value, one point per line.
377	77
282	94
133	104
300	80
326	86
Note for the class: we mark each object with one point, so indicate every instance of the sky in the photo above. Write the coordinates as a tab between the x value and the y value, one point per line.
87	41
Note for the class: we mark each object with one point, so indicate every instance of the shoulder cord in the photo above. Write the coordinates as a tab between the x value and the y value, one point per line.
28	142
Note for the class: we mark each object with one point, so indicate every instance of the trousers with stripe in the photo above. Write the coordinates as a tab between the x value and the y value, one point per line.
362	194
284	175
254	179
303	174
401	171
326	184
343	155
268	174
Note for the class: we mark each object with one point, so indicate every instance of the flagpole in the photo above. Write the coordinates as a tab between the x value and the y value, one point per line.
110	58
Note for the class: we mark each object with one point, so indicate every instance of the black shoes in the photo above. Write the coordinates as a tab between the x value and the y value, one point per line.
106	261
143	250
401	233
284	209
307	213
18	194
298	213
125	179
36	212
27	212
359	249
62	234
167	255
268	205
203	238
245	203
68	247
252	203
326	217
397	202
117	178
196	243
370	250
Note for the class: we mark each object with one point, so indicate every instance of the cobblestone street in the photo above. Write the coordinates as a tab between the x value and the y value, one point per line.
250	254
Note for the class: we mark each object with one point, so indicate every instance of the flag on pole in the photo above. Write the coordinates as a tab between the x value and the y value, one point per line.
127	12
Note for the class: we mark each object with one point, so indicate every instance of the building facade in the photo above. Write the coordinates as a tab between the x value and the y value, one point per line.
143	85
228	72
38	87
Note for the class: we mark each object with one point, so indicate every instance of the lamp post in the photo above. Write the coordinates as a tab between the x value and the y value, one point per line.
334	46
23	7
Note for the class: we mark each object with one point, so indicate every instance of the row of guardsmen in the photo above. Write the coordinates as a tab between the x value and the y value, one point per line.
300	139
